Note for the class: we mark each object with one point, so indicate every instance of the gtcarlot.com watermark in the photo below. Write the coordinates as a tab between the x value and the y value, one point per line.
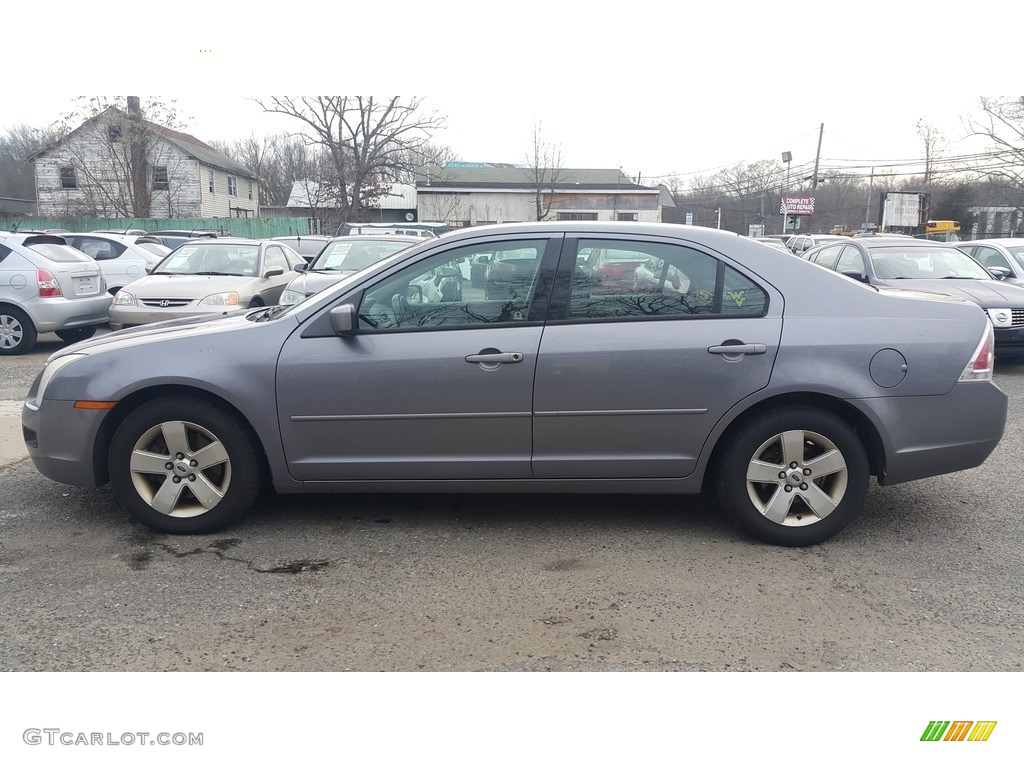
57	737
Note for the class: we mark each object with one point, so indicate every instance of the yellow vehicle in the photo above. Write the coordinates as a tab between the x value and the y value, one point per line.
941	227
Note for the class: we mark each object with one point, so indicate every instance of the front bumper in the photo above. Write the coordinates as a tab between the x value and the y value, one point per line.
128	316
61	442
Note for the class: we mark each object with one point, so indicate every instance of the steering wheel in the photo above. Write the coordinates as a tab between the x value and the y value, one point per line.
400	305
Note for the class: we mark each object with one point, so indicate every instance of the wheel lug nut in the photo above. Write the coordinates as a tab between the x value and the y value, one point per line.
807	471
789	488
803	486
175	479
192	478
195	463
168	465
180	455
792	465
782	475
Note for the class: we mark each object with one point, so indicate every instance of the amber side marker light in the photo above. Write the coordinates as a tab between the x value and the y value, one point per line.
95	405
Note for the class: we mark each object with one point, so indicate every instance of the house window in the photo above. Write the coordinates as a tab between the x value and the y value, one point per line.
67	178
576	216
210	182
250	190
232	186
114	132
160	177
626	217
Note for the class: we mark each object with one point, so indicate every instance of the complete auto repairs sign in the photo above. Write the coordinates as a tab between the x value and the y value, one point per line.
794	205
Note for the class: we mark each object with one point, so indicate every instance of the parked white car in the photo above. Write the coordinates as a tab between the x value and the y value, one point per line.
123	258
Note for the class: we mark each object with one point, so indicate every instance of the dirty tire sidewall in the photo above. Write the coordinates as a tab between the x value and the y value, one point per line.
731	487
242	449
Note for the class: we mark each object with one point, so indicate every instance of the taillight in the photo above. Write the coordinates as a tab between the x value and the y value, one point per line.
981	364
48	286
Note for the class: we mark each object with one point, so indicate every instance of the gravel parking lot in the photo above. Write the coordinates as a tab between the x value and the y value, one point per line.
927	579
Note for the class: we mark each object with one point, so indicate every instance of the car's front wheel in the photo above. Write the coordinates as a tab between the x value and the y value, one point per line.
794	476
17	333
76	334
183	465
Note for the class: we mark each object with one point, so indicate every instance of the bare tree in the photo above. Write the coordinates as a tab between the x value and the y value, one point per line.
1002	126
16	174
369	142
544	169
934	142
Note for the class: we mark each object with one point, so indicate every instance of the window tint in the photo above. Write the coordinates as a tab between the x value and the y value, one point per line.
657	280
437	292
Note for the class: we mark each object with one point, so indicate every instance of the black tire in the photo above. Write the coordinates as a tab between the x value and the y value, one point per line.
803	444
17	333
76	334
205	498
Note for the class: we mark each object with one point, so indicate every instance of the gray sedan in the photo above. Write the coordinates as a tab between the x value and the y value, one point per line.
783	386
207	277
925	265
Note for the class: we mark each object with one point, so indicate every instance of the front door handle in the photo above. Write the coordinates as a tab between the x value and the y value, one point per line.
738	349
495	357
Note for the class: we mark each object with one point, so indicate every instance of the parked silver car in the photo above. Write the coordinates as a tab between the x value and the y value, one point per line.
782	385
123	258
1003	256
207	277
46	285
343	256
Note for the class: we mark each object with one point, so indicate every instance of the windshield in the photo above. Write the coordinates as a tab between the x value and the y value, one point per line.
353	255
1017	251
897	263
238	259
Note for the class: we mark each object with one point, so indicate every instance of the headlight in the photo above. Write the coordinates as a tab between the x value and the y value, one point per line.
1001	317
290	297
221	299
51	369
124	299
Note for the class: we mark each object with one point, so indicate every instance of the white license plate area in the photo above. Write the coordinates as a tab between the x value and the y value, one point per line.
87	286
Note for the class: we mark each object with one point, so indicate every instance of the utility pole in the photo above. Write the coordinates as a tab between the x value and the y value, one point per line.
817	157
871	182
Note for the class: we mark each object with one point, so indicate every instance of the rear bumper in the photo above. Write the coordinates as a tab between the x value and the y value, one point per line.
928	436
58	314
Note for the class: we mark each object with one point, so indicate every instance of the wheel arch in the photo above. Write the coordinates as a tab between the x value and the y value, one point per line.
119	413
857	420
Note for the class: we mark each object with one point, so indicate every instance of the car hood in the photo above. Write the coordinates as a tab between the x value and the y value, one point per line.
200	325
987	293
186	286
309	283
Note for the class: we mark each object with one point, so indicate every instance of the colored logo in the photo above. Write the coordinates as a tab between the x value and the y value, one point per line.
958	730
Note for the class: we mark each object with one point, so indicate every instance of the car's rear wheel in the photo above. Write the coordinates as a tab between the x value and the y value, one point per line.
17	333
183	465
793	477
76	334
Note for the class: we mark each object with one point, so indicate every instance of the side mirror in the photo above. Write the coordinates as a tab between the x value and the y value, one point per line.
273	272
1000	273
343	320
854	274
300	267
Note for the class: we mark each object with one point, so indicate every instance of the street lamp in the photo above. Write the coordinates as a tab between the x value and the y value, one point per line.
787	158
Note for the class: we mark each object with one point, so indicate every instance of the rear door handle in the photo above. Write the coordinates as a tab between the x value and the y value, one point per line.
738	349
496	357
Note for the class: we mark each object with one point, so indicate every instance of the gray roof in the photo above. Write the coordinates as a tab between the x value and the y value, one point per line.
515	178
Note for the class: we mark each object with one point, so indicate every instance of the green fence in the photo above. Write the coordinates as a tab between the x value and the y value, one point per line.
255	228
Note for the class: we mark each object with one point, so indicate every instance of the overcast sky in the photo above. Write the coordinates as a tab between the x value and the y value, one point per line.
656	89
